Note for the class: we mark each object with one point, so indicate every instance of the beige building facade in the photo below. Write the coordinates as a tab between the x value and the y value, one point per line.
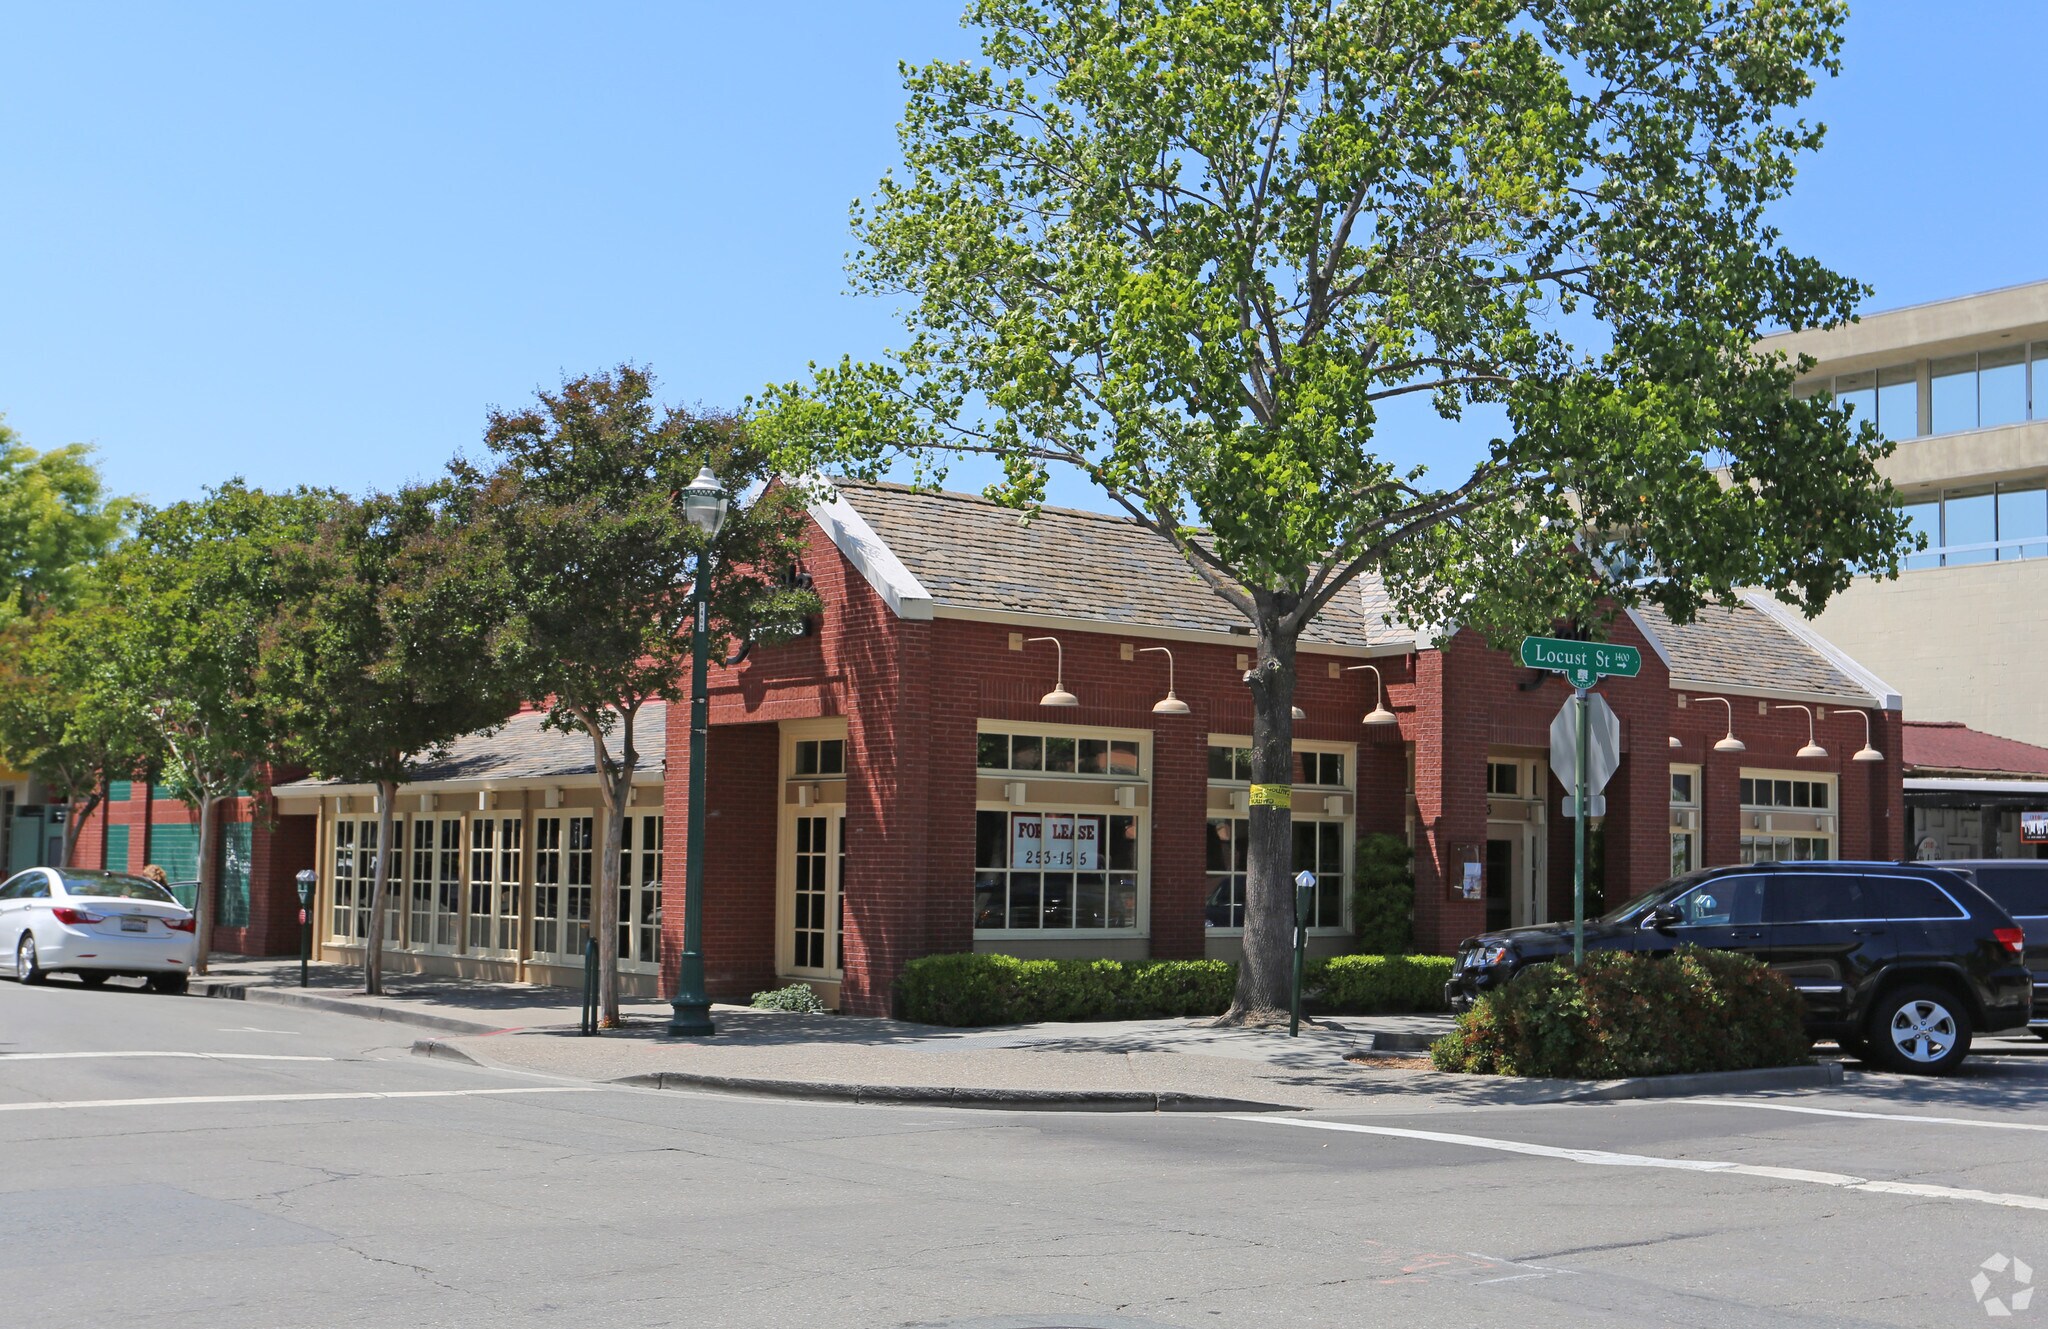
1962	387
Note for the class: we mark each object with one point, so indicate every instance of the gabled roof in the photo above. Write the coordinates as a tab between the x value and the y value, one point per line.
521	750
930	551
1949	748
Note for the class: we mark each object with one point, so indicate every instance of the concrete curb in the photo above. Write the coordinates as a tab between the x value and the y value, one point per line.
276	996
434	1047
1820	1075
1025	1100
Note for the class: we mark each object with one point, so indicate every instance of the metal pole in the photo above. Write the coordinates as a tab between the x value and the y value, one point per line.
1579	839
691	1006
305	941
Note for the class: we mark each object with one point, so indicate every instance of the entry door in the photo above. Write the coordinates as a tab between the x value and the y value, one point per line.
1500	884
1513	888
817	866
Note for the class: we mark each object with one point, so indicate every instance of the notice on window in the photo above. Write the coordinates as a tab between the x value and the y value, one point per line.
2034	828
1055	843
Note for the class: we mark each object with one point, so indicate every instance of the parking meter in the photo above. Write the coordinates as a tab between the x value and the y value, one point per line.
307	880
1304	913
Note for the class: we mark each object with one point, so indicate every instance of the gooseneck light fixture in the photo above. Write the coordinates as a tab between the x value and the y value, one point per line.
1379	714
1169	704
1059	696
1730	743
704	503
1813	747
1866	752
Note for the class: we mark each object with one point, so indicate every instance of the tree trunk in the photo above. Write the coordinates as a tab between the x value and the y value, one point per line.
380	881
209	878
615	784
1265	977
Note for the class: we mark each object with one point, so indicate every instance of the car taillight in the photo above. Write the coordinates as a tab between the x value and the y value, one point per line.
2013	939
76	916
182	924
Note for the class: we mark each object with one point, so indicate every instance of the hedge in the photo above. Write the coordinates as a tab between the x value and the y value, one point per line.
981	989
1624	1014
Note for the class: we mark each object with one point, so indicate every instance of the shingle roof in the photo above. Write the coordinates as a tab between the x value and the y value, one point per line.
971	553
523	750
1741	646
1945	745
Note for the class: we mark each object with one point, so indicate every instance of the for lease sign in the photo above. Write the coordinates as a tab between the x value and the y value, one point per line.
2034	827
1052	842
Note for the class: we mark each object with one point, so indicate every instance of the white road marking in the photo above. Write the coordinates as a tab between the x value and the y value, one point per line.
1868	1116
252	1029
1603	1158
297	1098
6	1057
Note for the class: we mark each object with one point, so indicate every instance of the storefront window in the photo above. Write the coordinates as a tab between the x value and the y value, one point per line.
1045	871
1318	848
1685	819
1060	754
1786	818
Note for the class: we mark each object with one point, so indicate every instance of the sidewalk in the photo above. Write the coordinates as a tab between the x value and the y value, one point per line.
1138	1065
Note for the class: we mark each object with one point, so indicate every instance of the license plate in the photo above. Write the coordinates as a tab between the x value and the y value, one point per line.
135	922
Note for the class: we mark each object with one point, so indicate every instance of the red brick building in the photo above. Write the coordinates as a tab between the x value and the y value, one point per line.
894	783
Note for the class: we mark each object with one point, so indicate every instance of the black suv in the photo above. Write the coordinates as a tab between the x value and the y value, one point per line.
2020	886
1899	963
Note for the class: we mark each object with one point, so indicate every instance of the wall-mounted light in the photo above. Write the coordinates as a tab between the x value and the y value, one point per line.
1866	752
551	797
1240	800
1127	795
1730	743
1059	696
1813	747
1379	714
1674	742
806	794
1016	793
1169	704
429	802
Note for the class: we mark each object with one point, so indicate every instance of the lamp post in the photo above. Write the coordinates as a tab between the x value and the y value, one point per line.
704	504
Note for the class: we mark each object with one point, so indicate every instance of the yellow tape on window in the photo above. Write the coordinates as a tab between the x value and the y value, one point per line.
1272	796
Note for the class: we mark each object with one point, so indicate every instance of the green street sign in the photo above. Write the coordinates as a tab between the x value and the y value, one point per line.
1583	663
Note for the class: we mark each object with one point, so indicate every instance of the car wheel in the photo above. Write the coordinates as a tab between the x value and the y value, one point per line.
171	985
1922	1030
26	967
93	980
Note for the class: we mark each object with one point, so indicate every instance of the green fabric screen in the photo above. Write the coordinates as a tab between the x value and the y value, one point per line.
176	848
117	848
235	843
119	791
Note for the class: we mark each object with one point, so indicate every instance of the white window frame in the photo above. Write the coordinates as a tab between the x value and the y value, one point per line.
639	893
1686	816
1307	806
1141	912
1753	834
561	862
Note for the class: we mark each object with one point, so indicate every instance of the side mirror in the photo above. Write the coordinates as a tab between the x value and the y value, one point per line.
1661	917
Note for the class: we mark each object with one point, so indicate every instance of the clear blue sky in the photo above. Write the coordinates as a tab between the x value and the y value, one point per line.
311	243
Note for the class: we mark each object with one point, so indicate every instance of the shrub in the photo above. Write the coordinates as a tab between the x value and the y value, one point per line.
797	997
1378	984
1383	901
1623	1014
962	990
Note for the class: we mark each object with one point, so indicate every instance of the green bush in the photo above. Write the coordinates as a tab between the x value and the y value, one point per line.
966	990
1378	984
797	997
1624	1014
1383	901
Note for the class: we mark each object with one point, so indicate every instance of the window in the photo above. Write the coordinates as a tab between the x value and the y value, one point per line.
1059	754
436	889
355	868
1055	870
2021	889
1888	398
640	888
1969	526
1319	847
2023	518
1924	516
561	885
1824	898
1685	819
1783	793
1722	902
1324	768
344	900
494	884
820	757
1230	762
1504	778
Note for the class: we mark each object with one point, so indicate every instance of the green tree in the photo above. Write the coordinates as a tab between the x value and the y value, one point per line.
382	652
195	591
598	559
64	718
1188	250
56	520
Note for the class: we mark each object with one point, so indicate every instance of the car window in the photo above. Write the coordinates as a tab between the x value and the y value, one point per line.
1831	897
1722	902
108	886
2022	888
12	888
1912	897
37	887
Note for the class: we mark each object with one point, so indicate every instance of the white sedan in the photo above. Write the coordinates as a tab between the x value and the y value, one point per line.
95	924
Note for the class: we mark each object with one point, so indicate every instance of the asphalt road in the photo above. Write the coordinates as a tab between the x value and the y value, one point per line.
363	1186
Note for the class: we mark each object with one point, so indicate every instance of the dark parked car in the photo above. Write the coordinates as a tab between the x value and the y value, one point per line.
2020	885
1900	963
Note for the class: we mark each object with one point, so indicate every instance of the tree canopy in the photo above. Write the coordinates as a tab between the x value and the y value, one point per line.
56	520
1190	250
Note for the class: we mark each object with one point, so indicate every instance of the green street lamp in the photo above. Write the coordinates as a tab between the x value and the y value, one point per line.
704	503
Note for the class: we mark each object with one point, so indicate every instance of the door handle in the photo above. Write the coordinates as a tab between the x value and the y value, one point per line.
1866	932
1748	936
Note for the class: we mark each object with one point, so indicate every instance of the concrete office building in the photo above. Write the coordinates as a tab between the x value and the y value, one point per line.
1962	386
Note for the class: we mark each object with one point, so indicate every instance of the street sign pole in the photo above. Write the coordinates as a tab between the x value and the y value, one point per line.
1579	839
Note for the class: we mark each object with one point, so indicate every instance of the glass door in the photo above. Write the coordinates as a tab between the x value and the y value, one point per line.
817	862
